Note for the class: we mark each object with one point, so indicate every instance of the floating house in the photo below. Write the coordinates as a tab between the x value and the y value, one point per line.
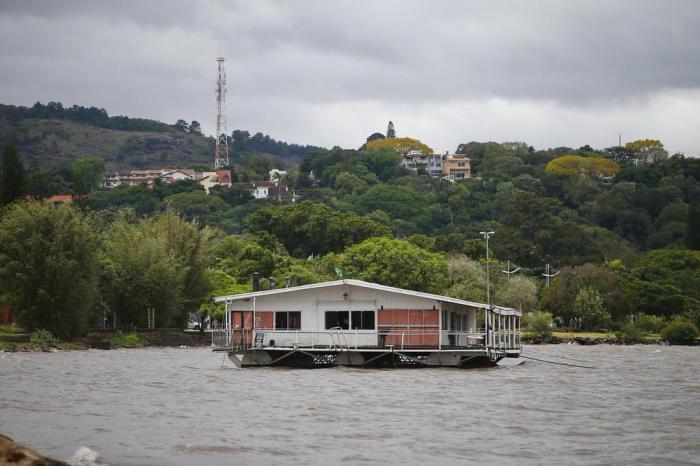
357	323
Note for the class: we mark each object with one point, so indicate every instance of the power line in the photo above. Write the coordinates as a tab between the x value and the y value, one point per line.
548	273
510	272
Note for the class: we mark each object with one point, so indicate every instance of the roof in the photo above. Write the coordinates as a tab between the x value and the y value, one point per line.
364	284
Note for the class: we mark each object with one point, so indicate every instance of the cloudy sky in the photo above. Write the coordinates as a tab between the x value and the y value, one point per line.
331	72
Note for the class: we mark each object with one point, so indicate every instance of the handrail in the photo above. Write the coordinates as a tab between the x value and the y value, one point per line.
348	338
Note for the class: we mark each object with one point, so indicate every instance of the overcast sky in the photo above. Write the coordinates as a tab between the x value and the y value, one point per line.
327	72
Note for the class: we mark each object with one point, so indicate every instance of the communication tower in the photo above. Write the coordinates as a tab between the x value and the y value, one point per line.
221	151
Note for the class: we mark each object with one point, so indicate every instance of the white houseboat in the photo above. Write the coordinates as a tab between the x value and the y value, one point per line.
356	323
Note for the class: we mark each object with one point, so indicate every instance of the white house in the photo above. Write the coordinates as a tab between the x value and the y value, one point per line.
352	322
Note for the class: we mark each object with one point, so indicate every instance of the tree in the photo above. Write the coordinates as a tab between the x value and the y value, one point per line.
310	228
692	232
518	293
12	176
374	137
588	308
467	278
560	295
48	267
195	127
390	132
577	165
647	151
395	263
87	173
402	146
157	263
181	125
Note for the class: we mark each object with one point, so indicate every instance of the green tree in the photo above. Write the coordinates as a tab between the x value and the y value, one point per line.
195	127
87	173
390	131
518	293
374	137
12	176
160	263
48	267
588	308
181	125
692	232
395	263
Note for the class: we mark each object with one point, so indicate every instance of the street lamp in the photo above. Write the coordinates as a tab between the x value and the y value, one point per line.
487	235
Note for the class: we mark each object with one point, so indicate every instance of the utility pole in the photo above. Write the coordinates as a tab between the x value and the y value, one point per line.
548	273
221	150
487	235
509	272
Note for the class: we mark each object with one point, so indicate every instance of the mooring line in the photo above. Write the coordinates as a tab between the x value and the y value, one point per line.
556	357
559	363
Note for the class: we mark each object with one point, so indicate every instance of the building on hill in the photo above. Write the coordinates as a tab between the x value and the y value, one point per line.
267	190
453	167
456	167
166	175
218	178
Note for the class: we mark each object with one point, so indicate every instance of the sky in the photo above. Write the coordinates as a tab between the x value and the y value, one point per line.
330	72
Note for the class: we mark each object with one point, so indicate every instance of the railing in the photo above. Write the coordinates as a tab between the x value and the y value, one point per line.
353	339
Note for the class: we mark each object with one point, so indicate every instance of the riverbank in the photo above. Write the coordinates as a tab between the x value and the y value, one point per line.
105	339
598	338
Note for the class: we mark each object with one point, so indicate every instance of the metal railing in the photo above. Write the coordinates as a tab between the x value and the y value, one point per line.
337	338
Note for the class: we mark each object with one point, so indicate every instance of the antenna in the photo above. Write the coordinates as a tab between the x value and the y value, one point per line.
510	272
221	150
548	273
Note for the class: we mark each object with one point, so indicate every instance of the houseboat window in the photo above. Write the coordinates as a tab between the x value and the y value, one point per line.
363	320
288	320
338	319
445	315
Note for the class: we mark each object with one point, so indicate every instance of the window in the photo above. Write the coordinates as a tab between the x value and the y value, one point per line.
337	319
461	164
288	320
363	320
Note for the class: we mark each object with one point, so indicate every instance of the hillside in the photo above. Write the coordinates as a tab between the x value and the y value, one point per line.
53	143
53	136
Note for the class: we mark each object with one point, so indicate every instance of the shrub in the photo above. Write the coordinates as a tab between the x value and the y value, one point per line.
126	339
649	323
538	325
44	338
680	332
630	333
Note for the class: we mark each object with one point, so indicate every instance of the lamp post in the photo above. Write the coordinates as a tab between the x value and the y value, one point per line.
487	235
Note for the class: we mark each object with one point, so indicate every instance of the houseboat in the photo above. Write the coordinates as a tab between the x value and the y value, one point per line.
357	323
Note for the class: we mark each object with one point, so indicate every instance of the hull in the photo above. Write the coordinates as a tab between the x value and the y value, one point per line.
317	358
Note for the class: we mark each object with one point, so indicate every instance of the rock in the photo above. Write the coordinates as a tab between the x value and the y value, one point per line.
12	453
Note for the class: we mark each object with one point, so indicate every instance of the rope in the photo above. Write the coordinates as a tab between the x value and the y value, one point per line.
559	363
556	357
223	361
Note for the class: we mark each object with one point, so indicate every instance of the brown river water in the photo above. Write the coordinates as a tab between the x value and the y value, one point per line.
640	405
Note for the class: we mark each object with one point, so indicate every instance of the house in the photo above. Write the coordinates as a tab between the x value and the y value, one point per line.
456	167
210	179
353	322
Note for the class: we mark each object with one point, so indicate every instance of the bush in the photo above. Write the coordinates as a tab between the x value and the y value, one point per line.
44	338
128	340
630	333
680	332
538	325
649	323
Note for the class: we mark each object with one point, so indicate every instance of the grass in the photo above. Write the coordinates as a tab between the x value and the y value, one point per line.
598	335
127	340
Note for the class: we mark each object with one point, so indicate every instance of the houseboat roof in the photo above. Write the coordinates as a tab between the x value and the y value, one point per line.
363	284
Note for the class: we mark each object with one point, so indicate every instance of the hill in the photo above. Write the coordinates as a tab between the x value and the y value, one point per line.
53	143
53	136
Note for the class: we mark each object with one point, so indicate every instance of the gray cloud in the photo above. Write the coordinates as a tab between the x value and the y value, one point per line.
310	71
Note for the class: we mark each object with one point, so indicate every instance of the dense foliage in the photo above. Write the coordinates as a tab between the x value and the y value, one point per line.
619	226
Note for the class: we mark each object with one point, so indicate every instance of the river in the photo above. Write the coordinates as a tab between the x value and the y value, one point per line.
170	406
